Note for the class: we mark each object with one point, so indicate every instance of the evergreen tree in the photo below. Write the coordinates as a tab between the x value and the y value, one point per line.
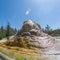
48	30
15	31
8	30
2	32
1	36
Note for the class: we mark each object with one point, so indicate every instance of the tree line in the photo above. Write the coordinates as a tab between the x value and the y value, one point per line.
8	31
50	31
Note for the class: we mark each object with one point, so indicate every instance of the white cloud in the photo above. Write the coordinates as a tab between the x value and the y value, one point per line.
27	12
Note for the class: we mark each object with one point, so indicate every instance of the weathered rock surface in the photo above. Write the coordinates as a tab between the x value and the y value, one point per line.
31	34
30	27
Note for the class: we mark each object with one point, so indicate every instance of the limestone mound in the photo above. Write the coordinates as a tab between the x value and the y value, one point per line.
31	35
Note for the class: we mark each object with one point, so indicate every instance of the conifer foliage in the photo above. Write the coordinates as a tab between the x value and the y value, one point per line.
8	31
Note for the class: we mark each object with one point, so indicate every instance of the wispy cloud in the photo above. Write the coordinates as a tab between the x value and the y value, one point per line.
27	12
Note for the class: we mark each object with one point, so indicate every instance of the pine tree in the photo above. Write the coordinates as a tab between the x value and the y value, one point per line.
15	31
2	32
48	30
8	30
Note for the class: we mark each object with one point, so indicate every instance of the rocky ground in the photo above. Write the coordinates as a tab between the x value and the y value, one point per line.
57	43
51	55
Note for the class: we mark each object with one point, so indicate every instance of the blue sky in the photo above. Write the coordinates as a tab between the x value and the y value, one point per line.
41	11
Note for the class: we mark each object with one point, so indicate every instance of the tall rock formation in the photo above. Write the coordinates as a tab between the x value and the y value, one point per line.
32	35
30	28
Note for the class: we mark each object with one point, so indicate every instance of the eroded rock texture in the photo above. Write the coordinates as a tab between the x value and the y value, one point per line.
31	34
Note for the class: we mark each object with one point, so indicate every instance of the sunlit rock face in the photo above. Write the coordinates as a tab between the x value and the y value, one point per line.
32	33
30	28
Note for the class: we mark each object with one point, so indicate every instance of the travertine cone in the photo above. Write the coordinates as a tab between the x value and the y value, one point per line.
30	28
34	36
